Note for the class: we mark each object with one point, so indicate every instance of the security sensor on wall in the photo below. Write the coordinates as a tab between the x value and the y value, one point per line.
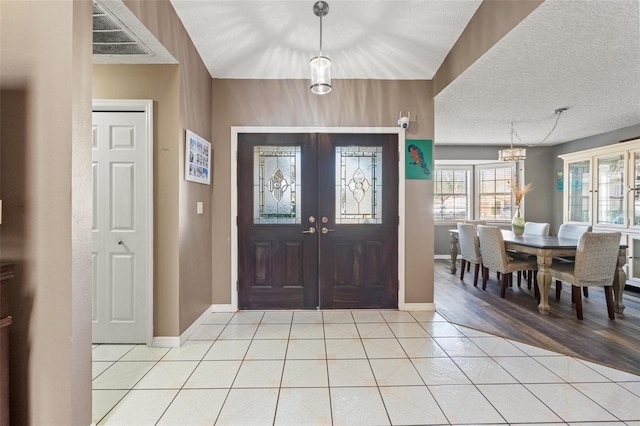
404	121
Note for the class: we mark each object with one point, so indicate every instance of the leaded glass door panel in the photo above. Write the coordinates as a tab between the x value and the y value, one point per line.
317	221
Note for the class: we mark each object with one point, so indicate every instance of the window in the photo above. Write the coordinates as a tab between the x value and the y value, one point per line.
480	191
451	192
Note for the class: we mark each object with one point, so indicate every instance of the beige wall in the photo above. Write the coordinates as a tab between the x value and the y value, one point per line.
159	83
191	241
45	83
352	103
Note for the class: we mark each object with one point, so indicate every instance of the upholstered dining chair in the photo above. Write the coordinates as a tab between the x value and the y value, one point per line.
475	222
595	265
536	228
469	249
573	231
494	256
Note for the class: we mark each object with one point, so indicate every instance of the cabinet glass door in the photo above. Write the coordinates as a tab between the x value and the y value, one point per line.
634	190
611	190
578	189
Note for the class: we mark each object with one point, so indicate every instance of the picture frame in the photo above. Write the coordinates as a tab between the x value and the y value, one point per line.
418	159
197	159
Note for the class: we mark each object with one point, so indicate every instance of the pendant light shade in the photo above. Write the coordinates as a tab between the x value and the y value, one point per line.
320	65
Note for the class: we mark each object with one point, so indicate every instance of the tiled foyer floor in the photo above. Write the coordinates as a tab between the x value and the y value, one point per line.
358	367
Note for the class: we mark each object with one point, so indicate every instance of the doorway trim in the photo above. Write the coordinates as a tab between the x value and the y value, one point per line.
145	106
235	130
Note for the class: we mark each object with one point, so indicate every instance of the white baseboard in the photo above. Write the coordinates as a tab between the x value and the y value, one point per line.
417	307
442	256
194	326
165	342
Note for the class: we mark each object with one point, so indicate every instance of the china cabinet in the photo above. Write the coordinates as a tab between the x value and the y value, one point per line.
602	189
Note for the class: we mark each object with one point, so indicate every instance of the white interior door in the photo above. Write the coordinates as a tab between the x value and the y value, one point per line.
120	229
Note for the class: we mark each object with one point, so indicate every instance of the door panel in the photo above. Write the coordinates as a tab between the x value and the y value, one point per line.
321	235
119	227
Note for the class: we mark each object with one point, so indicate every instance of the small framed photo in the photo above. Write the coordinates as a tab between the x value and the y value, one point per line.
197	159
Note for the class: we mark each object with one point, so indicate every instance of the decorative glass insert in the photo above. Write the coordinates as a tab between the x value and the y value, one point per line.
611	190
358	184
276	188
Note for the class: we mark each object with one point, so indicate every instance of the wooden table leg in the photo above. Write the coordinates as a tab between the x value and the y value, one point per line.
544	279
454	251
619	281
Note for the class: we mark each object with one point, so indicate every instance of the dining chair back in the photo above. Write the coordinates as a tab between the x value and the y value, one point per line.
536	228
469	249
494	256
573	230
595	266
475	222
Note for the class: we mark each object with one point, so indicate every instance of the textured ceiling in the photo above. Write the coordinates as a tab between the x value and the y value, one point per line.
579	54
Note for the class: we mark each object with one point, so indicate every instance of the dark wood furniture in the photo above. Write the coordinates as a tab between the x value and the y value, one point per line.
545	248
6	273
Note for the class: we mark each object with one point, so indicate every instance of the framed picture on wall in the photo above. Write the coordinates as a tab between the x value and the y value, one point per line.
419	159
197	159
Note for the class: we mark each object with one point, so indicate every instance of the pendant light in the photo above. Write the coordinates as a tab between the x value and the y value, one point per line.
320	65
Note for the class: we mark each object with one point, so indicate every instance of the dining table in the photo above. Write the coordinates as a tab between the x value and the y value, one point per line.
545	248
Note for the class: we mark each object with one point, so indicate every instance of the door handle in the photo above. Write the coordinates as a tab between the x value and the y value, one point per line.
311	230
326	230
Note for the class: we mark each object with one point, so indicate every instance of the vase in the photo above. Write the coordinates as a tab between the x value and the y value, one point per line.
517	223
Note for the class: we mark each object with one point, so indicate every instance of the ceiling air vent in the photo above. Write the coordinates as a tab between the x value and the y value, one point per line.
111	37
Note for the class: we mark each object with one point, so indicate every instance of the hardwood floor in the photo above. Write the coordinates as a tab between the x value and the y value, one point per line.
596	338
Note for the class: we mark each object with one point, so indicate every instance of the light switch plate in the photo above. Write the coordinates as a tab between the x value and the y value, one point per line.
199	207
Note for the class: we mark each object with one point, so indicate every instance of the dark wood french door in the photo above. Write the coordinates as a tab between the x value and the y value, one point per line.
317	221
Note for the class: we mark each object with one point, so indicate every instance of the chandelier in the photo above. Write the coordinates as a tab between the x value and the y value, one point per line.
320	65
517	154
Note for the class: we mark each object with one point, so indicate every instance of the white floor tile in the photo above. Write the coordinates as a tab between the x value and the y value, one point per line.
104	401
569	403
411	405
533	350
249	407
300	373
110	352
471	332
98	367
145	353
426	316
367	317
621	402
307	331
497	346
247	317
345	349
228	349
442	329
459	346
277	317
374	330
397	316
238	331
167	375
571	370
259	374
218	318
350	372
358	406
306	349
272	331
308	406
122	375
527	370
267	349
129	412
439	371
307	317
632	386
422	348
340	331
612	373
213	374
194	407
383	348
483	370
517	404
395	372
190	351
337	317
408	329
207	332
465	404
